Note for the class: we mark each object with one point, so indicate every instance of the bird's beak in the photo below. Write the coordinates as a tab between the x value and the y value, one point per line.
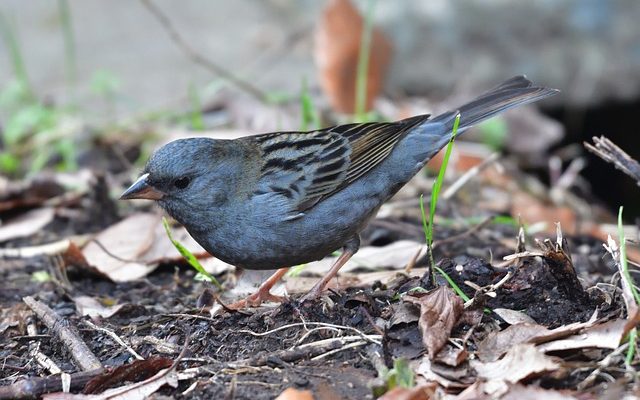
142	190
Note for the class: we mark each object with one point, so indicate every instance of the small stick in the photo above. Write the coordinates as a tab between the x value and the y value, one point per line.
309	350
116	338
610	152
32	251
466	177
80	352
33	388
34	349
199	58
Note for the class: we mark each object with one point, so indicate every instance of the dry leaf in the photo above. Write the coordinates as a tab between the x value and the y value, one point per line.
134	391
93	308
337	49
604	336
513	317
26	224
497	343
520	362
395	255
135	246
521	392
439	312
422	392
295	394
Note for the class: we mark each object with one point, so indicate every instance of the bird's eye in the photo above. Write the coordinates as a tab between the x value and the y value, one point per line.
181	183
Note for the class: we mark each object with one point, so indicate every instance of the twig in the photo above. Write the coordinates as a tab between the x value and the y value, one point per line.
80	353
343	348
309	350
522	254
32	251
604	363
199	58
610	152
305	324
34	349
33	388
466	177
116	338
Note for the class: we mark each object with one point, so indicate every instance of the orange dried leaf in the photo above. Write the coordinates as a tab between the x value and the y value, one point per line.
337	49
440	309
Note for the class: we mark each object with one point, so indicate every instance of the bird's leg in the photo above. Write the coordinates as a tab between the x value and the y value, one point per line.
350	248
263	293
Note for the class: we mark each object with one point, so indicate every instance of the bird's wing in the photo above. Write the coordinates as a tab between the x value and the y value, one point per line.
306	167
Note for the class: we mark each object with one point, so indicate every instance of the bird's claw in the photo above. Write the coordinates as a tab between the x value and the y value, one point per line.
255	300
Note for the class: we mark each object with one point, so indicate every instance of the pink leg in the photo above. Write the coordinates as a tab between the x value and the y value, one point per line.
350	248
263	293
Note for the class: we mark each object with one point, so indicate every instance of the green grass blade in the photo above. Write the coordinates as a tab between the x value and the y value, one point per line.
310	116
631	351
453	285
623	258
633	334
362	70
191	259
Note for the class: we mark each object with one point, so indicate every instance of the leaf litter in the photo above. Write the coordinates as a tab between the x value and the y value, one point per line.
545	320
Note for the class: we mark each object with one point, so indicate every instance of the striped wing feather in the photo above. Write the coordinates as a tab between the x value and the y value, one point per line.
308	167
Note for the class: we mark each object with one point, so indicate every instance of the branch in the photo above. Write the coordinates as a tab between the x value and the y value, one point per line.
610	152
198	58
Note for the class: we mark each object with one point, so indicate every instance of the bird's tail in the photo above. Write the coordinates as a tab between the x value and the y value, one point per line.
511	93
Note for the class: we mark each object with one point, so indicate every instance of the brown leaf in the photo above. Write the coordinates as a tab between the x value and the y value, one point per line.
26	224
439	312
133	247
295	394
136	371
520	362
337	49
521	392
422	392
91	307
497	343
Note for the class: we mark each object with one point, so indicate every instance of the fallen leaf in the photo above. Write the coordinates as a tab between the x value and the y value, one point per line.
422	392
450	378
133	247
439	312
498	343
603	336
513	317
395	255
134	391
520	362
26	224
522	392
134	372
91	307
337	50
451	355
295	394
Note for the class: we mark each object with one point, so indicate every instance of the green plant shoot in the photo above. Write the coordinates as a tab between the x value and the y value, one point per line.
362	70
191	259
633	334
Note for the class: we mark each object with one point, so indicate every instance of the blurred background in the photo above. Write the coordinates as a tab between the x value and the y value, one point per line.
84	78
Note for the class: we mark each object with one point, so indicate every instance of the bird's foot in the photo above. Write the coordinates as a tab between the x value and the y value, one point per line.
255	300
314	293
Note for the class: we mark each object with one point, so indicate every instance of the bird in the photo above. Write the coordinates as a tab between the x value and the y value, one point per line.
280	199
